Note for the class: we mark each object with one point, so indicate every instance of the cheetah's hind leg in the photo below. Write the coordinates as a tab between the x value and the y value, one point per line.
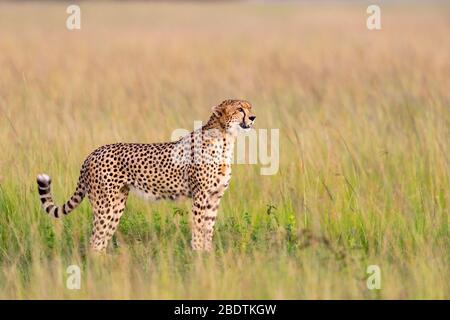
106	218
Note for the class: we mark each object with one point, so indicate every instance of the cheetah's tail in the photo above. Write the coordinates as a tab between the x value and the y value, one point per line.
49	206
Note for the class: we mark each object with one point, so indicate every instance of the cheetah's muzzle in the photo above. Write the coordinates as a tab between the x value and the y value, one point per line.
244	126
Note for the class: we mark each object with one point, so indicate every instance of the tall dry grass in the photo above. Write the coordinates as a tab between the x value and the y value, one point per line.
364	147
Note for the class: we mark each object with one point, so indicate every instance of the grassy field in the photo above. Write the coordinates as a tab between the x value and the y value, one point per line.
364	120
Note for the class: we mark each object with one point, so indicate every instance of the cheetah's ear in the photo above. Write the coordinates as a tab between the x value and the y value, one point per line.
216	111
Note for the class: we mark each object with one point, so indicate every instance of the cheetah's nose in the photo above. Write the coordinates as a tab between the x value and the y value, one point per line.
252	118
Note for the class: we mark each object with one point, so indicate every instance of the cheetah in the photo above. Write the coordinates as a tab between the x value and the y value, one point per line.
197	166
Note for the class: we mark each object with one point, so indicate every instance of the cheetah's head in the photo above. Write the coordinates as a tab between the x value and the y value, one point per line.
234	115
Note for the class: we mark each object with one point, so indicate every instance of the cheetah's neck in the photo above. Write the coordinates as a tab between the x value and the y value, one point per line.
215	132
214	123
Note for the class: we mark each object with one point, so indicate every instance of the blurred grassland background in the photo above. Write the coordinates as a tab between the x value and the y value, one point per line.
364	119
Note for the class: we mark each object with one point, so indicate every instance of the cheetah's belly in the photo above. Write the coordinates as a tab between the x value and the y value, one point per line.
155	196
144	194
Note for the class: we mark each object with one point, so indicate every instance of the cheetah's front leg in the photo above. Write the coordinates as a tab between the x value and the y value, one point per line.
204	212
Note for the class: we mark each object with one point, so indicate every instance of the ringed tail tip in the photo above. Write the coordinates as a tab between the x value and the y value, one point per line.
43	179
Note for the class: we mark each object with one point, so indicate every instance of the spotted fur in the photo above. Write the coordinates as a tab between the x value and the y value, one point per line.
197	166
